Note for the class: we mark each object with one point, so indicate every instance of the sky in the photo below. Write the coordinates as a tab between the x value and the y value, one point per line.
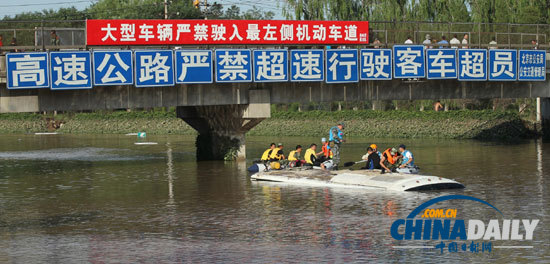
13	7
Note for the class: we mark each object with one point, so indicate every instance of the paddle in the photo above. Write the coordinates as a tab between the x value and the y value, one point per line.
351	163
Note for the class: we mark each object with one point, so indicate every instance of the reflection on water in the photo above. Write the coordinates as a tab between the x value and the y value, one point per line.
65	154
102	199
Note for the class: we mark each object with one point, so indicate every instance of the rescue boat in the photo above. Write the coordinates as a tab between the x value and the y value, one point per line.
359	178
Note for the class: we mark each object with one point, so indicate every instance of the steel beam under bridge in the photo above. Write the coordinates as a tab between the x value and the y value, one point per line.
125	97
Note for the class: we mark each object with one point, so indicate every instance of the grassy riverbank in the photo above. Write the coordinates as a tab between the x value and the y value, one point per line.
479	124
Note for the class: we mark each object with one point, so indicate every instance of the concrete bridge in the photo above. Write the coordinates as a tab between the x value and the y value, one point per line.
222	113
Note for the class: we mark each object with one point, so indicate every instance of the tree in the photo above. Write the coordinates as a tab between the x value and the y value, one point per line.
305	9
233	12
256	13
141	9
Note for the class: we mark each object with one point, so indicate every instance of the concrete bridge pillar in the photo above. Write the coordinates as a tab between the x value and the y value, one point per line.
543	115
222	128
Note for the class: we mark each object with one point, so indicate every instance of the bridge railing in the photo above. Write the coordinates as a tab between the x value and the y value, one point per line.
35	34
506	35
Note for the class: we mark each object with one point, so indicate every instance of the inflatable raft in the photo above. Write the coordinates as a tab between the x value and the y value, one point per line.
359	178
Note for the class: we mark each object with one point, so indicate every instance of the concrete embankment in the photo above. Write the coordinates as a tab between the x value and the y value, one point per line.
485	124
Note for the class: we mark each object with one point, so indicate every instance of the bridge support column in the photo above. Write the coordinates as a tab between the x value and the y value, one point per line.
222	128
543	115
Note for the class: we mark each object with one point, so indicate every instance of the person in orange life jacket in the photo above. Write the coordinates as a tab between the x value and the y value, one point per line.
326	152
277	154
267	152
389	160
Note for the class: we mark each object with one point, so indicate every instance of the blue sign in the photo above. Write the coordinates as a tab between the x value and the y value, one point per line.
154	68
532	65
441	63
472	65
113	67
503	65
194	66
307	65
270	65
409	61
233	65
71	70
342	66
376	64
27	70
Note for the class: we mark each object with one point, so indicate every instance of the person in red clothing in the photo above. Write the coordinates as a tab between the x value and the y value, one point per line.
1	40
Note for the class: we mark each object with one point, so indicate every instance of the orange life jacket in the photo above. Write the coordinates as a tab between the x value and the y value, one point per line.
326	151
389	157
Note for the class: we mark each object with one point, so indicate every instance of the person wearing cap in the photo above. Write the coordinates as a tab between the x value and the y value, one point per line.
375	149
277	154
427	42
373	160
389	160
267	152
408	158
336	136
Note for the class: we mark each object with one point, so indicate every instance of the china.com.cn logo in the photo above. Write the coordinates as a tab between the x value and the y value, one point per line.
442	225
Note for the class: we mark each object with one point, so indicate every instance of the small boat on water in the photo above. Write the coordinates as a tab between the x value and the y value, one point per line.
359	178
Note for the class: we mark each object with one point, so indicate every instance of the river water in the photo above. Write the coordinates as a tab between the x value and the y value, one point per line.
82	198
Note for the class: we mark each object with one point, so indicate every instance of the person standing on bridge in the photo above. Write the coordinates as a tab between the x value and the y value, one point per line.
455	42
443	43
535	44
336	136
465	41
493	44
54	38
428	42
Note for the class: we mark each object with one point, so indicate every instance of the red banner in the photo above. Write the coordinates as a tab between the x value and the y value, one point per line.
234	32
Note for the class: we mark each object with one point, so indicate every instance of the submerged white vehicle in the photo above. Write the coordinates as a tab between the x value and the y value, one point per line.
359	178
257	167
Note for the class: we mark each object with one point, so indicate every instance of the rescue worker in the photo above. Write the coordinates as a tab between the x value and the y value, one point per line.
294	157
277	154
325	151
389	160
311	157
373	160
267	152
375	149
336	136
408	158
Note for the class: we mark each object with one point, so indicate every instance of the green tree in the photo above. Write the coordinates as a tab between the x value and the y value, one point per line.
233	12
305	9
141	9
256	13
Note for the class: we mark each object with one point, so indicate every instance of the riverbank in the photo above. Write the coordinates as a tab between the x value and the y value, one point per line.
460	124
